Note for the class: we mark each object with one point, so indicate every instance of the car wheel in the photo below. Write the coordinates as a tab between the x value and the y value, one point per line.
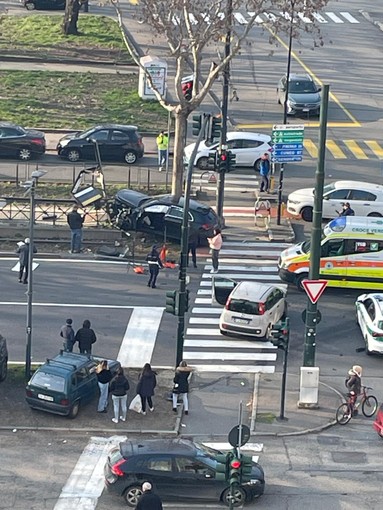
3	369
257	165
132	495
73	155
307	214
239	497
74	410
130	157
375	215
30	6
24	154
202	163
299	279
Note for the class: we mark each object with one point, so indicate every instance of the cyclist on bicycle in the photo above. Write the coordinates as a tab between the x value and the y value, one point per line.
354	382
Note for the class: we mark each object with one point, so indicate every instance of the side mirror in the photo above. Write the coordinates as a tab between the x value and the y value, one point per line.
319	89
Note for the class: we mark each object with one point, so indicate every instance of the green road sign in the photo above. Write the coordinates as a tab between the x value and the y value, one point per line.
287	140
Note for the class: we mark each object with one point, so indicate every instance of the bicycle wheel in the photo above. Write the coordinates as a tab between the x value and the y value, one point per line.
369	406
343	414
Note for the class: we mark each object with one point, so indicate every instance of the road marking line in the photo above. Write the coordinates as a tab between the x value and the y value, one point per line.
229	344
334	17
355	149
304	18
311	148
140	337
250	251
240	18
207	310
258	245
375	147
257	18
231	356
349	17
335	150
204	320
261	269
234	369
242	276
319	18
204	292
75	305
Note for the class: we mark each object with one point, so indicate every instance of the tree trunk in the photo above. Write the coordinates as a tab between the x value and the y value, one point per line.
178	157
72	11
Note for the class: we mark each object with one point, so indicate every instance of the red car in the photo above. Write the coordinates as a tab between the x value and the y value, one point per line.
378	423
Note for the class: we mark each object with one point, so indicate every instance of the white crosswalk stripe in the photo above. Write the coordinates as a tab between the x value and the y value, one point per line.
205	348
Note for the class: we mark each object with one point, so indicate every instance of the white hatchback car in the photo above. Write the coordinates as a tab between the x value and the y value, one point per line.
365	199
369	316
248	148
251	308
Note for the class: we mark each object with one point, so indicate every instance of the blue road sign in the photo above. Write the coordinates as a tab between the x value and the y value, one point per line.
283	159
288	146
288	153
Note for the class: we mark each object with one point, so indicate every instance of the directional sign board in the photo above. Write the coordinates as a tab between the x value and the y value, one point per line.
314	289
287	140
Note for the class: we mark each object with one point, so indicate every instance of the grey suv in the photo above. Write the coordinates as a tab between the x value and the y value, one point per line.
3	358
303	95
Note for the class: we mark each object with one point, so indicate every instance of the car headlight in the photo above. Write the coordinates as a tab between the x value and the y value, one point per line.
292	202
291	102
63	143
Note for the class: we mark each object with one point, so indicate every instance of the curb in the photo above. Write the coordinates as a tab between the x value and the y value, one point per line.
174	431
366	15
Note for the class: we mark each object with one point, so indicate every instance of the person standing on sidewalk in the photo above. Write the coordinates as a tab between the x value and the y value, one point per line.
119	388
264	170
145	387
181	386
149	500
154	262
192	247
162	141
75	222
67	334
23	251
215	244
104	376
85	337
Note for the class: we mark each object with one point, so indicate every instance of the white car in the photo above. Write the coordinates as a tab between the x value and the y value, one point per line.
365	199
369	316
248	148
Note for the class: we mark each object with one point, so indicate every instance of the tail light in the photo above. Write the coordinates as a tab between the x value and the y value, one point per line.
64	402
227	306
261	308
140	142
38	141
377	334
116	469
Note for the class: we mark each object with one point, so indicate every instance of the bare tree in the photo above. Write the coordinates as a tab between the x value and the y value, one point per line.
192	29
72	11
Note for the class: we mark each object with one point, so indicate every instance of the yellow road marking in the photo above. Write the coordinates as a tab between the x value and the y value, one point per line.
375	147
355	149
307	125
134	2
311	148
335	150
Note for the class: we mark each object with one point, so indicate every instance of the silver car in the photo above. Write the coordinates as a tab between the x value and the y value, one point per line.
303	95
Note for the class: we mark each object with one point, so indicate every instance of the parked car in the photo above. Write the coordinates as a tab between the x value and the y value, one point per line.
132	210
20	143
115	143
64	383
178	469
248	148
378	423
251	308
3	358
365	199
303	95
369	316
58	5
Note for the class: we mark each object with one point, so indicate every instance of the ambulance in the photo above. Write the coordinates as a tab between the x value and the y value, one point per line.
351	255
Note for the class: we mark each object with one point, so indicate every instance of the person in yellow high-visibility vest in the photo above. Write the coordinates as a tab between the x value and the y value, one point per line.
162	141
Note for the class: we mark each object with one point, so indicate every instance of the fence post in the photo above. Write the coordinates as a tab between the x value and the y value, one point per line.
73	174
148	180
17	175
129	176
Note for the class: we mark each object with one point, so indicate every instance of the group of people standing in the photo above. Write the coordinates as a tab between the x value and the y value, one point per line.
85	337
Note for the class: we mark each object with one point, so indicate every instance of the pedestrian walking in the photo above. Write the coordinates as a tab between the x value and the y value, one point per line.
104	376
85	337
154	261
67	334
145	387
75	222
162	141
149	499
215	244
181	385
192	247
346	210
119	388
23	251
264	170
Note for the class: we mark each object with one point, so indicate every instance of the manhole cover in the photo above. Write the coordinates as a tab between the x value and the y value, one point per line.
349	457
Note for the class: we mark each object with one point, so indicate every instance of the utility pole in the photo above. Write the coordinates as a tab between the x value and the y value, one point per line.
282	167
224	111
315	250
28	350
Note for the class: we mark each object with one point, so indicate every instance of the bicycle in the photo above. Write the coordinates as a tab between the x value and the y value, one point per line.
368	403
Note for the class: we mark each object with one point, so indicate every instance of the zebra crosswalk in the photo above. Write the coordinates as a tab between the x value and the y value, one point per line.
204	346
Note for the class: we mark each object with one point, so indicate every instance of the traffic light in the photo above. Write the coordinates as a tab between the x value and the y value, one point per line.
280	335
187	88
234	471
172	302
222	467
197	124
231	161
222	163
212	160
187	300
216	127
246	468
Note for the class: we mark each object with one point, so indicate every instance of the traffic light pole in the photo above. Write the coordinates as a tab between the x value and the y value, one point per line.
284	372
184	246
311	309
224	110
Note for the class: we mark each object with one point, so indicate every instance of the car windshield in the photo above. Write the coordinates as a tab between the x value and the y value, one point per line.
206	455
48	381
211	145
301	87
86	133
328	188
306	246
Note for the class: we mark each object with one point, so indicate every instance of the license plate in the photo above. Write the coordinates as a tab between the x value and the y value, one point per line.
241	321
305	109
45	397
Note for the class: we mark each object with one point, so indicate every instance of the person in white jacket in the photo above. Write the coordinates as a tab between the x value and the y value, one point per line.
215	244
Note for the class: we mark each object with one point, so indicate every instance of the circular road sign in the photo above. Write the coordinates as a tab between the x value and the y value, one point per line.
234	436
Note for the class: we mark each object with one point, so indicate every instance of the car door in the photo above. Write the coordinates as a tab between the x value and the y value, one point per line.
279	306
119	139
101	137
333	202
362	202
251	151
158	469
195	480
333	262
235	146
173	221
221	289
364	317
9	141
86	385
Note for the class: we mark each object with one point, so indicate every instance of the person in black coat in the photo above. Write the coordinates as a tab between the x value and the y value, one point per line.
75	222
85	337
23	251
119	388
181	385
149	500
145	387
154	262
192	247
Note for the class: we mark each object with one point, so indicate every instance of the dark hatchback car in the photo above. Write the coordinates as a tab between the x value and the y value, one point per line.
65	383
178	469
50	5
20	143
115	143
132	210
3	358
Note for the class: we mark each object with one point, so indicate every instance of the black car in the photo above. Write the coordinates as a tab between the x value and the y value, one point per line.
132	210
3	358
58	5
115	142
64	383
178	469
17	142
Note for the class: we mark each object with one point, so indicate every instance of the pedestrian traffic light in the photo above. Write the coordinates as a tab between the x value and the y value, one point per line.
187	87
231	161
221	467
234	471
197	124
172	302
216	127
222	164
186	300
212	160
280	334
246	468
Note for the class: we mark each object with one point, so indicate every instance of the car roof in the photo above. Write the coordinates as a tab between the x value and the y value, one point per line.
157	446
66	362
8	124
300	77
115	126
253	291
357	185
378	298
247	135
